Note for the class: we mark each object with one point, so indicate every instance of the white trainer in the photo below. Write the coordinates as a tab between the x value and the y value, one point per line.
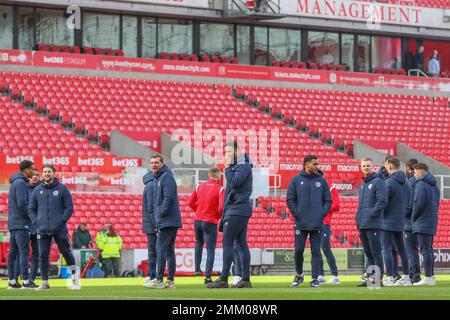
389	282
321	279
43	286
147	281
428	281
76	285
235	281
334	280
405	281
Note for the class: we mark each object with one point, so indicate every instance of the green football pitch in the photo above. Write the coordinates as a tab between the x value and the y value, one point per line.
192	288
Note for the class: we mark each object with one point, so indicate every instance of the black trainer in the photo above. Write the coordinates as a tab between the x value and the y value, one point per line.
363	283
208	280
298	280
198	273
29	285
397	277
243	284
15	285
314	283
217	284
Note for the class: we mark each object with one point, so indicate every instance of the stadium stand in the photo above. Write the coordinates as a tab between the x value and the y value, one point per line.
105	104
337	117
270	226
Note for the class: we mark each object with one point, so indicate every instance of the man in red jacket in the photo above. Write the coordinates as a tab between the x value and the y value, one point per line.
326	235
207	201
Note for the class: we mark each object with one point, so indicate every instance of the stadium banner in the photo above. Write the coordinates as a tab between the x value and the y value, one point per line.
10	163
299	75
387	147
185	259
244	72
441	258
64	60
122	64
149	139
191	68
285	257
16	57
405	14
355	259
346	178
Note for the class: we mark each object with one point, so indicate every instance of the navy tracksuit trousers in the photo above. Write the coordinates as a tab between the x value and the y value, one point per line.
371	241
205	232
326	249
152	256
315	240
394	240
19	249
412	249
237	263
45	242
165	249
235	229
425	242
34	267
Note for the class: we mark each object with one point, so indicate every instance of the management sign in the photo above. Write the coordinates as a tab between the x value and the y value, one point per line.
382	13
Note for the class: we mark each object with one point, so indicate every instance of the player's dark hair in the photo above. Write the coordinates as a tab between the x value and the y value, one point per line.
394	161
159	157
411	163
50	167
421	166
309	158
25	164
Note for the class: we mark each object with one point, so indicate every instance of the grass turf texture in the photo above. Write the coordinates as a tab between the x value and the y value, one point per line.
192	288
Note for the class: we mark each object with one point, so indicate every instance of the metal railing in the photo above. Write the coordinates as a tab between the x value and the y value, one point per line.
276	183
444	185
417	73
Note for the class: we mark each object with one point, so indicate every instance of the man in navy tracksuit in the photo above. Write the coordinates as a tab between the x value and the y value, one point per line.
425	219
236	214
34	181
51	206
369	217
148	226
412	247
383	173
309	201
19	225
398	193
167	220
